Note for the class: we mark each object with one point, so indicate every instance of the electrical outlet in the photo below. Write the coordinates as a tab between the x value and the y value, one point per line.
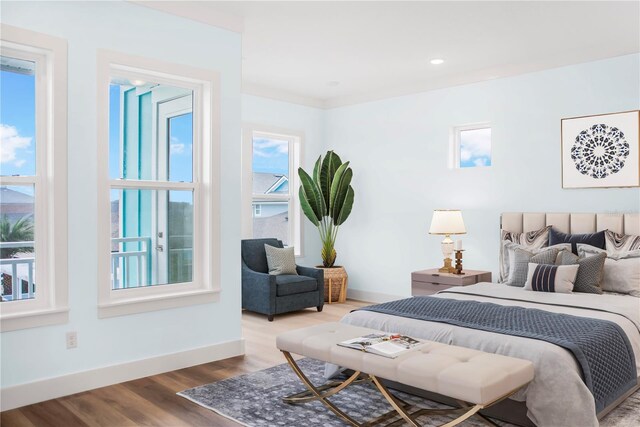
72	339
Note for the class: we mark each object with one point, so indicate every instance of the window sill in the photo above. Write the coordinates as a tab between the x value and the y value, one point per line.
154	303
33	319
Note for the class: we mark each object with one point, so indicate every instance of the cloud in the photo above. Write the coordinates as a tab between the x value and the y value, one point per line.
270	147
481	161
176	147
10	142
475	143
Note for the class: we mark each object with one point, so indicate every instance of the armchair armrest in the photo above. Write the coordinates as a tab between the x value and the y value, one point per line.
316	273
258	291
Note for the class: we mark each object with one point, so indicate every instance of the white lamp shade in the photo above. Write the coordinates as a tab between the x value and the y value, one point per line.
447	222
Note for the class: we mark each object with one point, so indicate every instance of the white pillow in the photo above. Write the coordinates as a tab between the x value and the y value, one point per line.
551	278
621	270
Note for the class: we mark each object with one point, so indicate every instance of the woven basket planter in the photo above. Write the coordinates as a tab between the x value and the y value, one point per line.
335	284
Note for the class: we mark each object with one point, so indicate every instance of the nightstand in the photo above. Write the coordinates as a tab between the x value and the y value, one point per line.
428	282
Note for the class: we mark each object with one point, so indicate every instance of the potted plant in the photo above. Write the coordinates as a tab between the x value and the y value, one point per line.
326	198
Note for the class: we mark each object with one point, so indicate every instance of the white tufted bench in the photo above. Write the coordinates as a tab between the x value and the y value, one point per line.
474	378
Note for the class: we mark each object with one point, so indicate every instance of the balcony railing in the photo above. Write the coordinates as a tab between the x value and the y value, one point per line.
131	264
15	272
131	268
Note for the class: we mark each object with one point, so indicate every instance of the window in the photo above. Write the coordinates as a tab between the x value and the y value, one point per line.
33	188
472	146
274	160
160	189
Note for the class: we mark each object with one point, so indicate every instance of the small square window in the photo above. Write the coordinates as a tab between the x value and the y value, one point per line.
472	146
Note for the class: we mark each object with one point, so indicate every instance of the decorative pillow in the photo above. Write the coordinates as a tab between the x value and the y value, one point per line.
617	243
508	249
280	260
530	240
593	239
590	271
551	278
522	258
621	270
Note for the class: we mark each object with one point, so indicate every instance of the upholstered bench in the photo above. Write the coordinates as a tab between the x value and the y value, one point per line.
473	378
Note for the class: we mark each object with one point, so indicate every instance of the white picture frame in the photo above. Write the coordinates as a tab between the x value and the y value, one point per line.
601	151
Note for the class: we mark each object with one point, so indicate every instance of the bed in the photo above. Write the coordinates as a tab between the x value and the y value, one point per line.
558	395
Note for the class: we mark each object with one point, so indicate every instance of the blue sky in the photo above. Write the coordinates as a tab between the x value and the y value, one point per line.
271	156
17	124
475	148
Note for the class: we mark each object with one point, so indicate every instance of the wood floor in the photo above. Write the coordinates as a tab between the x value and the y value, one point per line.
152	401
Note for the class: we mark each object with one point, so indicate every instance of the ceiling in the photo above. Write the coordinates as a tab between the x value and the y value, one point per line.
328	54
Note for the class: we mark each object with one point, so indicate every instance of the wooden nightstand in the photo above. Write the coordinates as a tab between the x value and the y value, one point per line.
428	282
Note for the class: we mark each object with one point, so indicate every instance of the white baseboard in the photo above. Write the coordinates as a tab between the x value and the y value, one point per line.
367	296
52	388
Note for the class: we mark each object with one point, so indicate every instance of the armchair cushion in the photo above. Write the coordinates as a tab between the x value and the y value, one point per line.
280	260
289	284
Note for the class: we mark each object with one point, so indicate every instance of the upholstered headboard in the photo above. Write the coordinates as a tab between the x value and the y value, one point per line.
624	223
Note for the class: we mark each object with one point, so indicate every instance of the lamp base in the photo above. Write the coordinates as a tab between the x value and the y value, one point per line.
447	267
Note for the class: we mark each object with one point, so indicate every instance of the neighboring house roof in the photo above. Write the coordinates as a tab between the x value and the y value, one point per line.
272	226
9	196
15	204
269	183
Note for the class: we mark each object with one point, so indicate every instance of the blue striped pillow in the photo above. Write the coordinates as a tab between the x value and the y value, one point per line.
551	278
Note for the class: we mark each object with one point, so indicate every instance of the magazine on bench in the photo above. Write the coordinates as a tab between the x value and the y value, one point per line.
387	345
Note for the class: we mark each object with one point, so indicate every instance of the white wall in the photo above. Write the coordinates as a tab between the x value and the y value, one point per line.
399	149
39	353
298	118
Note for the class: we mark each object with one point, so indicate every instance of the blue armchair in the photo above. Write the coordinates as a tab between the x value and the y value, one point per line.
271	295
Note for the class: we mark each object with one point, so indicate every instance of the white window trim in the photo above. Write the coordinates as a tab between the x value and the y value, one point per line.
205	286
454	144
296	159
50	306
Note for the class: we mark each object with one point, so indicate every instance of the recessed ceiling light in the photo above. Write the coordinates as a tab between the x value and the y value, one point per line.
437	61
333	83
138	82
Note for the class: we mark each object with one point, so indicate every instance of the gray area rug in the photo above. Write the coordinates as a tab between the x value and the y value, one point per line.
255	400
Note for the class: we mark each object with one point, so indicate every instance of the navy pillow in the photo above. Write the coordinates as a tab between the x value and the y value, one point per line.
594	239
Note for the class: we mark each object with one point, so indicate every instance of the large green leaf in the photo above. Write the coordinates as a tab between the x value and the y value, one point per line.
316	171
330	165
339	187
307	209
346	207
311	194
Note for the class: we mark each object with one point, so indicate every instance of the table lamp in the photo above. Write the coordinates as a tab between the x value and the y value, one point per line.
447	222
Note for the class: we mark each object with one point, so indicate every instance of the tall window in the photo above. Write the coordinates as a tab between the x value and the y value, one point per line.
472	145
32	179
160	183
275	158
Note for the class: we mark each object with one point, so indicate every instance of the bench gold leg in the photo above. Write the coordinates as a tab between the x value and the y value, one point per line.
398	406
318	395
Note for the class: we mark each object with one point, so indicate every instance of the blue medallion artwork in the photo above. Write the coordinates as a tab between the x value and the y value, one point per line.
600	151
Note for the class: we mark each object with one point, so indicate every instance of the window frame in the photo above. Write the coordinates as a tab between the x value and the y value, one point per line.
205	184
456	140
296	158
50	305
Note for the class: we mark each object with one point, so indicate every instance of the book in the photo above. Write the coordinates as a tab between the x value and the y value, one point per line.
387	345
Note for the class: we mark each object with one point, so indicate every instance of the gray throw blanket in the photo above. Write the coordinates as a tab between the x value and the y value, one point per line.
601	347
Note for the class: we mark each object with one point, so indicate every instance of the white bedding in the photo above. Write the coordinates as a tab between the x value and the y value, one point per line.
557	396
